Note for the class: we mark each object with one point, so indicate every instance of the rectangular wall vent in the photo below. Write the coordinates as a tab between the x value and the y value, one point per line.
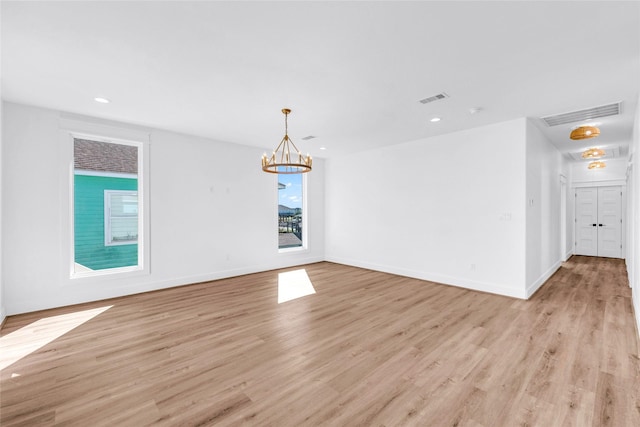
582	115
434	98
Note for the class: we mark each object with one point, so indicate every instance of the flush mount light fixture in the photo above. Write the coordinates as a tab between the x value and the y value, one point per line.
101	100
584	132
282	161
597	165
593	153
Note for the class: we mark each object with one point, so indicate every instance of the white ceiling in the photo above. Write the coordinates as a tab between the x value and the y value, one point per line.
352	72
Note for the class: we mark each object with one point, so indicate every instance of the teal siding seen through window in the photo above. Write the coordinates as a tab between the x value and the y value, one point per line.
89	223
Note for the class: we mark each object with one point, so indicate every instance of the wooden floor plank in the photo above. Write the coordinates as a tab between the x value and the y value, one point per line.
368	348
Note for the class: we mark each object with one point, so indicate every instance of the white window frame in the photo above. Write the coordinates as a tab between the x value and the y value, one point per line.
77	128
305	217
108	217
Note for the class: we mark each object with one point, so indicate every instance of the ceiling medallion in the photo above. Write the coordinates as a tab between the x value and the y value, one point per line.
597	165
593	153
584	132
282	161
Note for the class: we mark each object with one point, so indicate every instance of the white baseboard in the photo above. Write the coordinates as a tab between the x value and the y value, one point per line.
635	303
635	306
225	274
532	288
3	316
568	255
67	299
433	277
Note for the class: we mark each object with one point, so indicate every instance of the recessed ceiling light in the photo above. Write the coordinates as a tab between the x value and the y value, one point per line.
435	119
323	148
101	100
475	110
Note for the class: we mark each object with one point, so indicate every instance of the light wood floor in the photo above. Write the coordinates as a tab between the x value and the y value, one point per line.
366	349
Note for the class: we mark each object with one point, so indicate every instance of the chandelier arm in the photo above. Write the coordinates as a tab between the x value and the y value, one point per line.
294	146
285	150
277	149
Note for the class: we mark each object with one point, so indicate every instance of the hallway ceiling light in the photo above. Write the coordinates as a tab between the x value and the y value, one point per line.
593	153
597	165
584	132
281	160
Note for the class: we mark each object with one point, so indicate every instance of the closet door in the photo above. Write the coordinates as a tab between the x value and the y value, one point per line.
610	222
599	221
587	221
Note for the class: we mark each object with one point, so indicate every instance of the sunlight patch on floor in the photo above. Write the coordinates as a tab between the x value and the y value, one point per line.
36	335
294	284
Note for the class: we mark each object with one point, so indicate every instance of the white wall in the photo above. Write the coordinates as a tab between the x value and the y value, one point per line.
613	174
571	210
213	214
633	221
450	209
544	169
2	309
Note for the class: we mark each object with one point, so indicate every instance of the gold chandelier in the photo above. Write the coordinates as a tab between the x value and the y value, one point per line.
597	165
584	132
282	160
593	153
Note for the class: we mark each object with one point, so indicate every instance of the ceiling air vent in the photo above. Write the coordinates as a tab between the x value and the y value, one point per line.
582	115
306	138
434	98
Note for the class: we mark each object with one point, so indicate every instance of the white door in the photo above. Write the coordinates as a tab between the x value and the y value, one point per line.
610	222
599	222
587	221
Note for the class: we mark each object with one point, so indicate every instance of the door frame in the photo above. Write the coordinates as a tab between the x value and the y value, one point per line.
612	183
563	218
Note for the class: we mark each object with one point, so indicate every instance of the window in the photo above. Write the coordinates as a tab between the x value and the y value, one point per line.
107	216
120	217
291	213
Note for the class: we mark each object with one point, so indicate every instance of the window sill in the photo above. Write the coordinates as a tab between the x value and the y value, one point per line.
293	250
